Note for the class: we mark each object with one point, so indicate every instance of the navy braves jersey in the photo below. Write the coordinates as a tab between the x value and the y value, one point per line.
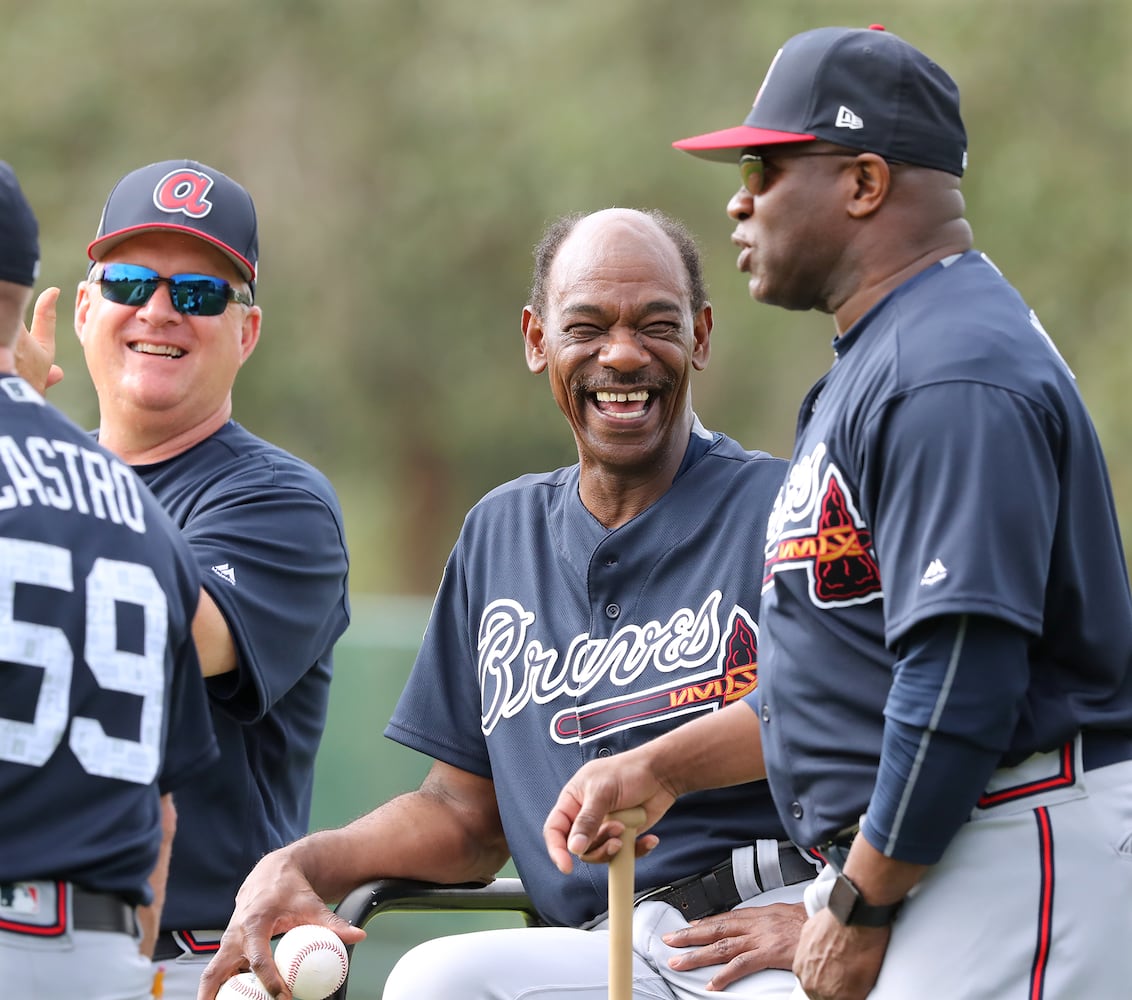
266	531
103	706
554	641
945	466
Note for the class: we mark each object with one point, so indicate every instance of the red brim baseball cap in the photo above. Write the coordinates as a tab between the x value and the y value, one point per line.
861	88
722	146
182	196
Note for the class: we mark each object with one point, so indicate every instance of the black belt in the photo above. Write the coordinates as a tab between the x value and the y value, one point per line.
1101	747
90	911
174	944
97	911
715	891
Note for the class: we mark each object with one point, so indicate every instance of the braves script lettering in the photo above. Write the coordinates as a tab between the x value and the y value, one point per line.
515	669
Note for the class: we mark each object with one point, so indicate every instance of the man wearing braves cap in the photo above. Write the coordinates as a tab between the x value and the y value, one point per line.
166	318
99	591
945	697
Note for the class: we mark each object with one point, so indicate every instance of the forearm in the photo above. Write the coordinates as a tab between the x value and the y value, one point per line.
715	751
420	835
149	917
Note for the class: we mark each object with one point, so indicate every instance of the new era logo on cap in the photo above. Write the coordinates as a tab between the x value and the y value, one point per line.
862	88
186	197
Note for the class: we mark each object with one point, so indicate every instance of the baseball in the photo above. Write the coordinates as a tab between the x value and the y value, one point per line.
312	961
245	986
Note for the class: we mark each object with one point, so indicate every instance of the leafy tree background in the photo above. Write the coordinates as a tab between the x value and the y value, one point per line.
404	157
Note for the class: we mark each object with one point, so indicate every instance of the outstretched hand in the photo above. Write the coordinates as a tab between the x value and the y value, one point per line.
35	348
578	824
274	898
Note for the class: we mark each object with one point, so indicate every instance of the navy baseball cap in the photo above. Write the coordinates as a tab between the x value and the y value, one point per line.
19	232
863	88
182	196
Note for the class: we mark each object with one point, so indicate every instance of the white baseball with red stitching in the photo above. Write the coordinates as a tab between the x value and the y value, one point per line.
312	961
245	986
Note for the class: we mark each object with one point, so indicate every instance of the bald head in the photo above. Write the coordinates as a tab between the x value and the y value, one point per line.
650	236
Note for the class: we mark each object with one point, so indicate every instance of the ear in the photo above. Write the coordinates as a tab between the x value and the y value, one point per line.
534	341
249	332
82	308
701	334
873	179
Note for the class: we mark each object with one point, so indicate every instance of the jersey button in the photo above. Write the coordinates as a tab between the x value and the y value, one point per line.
612	610
605	752
766	713
796	810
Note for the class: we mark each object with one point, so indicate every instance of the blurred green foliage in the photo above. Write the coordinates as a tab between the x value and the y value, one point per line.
404	157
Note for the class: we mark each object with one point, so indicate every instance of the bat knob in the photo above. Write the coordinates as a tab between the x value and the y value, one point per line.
633	818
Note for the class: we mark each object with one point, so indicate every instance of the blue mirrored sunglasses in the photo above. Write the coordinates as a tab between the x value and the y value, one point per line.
191	294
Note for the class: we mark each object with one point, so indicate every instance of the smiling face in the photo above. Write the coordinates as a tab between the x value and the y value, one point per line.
619	342
162	376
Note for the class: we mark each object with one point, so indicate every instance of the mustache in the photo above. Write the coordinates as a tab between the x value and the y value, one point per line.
587	386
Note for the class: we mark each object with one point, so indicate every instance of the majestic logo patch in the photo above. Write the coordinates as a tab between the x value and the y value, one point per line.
226	573
935	573
515	670
815	527
184	191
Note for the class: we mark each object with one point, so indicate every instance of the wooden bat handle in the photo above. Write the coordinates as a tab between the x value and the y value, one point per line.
621	906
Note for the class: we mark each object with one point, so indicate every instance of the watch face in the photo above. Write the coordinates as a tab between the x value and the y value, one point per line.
843	899
846	904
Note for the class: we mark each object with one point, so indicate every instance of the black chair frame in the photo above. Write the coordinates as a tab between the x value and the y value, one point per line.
365	902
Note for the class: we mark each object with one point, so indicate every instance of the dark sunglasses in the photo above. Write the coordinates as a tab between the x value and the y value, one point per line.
191	294
753	171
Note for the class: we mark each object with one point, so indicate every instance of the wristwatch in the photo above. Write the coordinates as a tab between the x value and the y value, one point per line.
847	904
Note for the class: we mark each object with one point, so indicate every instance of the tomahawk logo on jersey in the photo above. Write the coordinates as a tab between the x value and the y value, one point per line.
816	527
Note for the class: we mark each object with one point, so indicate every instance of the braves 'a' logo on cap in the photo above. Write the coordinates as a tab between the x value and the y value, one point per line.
185	191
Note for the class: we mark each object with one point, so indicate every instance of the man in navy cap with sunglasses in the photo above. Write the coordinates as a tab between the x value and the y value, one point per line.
103	711
945	695
166	318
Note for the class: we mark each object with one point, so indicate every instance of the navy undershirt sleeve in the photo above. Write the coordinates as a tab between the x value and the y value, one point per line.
958	689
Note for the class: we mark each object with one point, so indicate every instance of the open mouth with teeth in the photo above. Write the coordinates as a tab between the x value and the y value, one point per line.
622	405
162	350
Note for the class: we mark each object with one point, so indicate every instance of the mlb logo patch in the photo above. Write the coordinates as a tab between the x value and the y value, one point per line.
19	897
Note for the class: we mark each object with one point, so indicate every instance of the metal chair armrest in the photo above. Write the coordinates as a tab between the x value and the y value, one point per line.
365	902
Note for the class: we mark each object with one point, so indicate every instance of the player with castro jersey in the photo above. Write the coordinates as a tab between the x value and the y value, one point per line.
945	700
102	706
582	611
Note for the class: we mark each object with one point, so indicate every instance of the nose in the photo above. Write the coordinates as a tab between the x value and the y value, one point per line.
158	309
742	205
623	351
